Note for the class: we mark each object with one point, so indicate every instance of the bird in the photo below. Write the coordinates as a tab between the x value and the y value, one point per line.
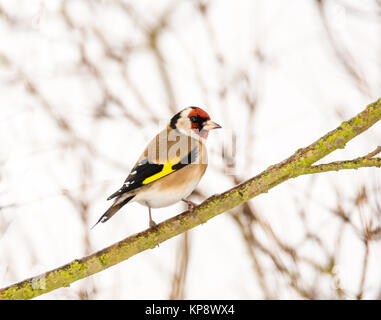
170	167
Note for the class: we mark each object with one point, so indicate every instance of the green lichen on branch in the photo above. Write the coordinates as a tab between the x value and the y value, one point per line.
342	165
298	164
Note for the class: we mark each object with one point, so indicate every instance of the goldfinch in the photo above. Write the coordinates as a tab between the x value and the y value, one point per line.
170	167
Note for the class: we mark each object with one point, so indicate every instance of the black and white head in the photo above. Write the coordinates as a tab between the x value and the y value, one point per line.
193	121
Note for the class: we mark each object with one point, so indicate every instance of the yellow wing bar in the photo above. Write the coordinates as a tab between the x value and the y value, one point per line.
173	165
167	169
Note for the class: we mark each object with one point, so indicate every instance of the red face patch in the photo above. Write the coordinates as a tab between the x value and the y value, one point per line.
198	116
198	112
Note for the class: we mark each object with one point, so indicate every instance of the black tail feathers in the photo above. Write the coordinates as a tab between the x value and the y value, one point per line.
112	210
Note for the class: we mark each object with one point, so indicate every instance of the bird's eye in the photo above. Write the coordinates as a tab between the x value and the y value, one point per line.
193	119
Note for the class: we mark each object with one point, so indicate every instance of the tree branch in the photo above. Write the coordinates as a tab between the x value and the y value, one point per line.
298	164
341	165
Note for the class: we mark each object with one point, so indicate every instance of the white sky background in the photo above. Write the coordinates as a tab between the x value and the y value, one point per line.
303	93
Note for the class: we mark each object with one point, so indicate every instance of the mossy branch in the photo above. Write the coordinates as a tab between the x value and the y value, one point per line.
298	164
342	165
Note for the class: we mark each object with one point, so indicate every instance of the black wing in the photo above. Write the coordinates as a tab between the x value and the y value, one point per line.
139	173
145	169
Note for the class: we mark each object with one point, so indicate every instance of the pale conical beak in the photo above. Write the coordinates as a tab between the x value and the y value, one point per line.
210	125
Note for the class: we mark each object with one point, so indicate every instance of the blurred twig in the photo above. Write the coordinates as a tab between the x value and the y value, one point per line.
179	276
342	53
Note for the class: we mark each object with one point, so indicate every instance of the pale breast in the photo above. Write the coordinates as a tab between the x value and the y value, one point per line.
173	187
177	185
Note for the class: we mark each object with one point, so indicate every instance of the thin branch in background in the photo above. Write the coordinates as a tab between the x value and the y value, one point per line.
366	226
364	270
246	230
182	262
337	248
153	36
343	55
161	64
203	8
81	204
108	96
221	65
373	153
4	225
292	276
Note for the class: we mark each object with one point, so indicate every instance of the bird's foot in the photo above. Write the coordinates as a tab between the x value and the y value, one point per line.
191	204
152	223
